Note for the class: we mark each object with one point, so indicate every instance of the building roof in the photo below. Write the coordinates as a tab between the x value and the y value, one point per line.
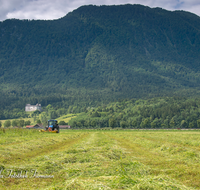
34	126
64	126
29	126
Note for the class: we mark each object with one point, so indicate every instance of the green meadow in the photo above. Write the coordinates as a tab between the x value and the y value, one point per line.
100	159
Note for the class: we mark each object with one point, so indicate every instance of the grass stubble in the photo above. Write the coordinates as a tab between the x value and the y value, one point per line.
92	159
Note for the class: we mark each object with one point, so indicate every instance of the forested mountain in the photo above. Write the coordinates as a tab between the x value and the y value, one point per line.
99	53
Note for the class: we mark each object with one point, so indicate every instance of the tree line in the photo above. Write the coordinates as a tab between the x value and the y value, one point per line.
168	112
15	123
151	113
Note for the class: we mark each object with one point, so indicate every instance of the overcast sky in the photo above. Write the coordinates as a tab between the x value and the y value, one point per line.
54	9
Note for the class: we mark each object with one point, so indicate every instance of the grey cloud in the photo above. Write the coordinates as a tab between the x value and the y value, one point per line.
7	6
53	9
191	6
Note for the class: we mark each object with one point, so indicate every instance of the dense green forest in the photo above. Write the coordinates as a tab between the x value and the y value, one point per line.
165	112
96	55
150	113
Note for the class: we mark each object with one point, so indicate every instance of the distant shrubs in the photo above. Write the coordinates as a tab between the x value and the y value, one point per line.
96	114
38	121
28	122
16	123
7	124
62	123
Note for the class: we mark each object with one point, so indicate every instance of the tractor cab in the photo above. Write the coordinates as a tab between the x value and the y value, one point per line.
53	125
52	122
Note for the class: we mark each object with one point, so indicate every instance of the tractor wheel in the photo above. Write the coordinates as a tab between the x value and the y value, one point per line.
58	129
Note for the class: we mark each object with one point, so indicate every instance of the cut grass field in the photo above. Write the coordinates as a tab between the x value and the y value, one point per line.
92	159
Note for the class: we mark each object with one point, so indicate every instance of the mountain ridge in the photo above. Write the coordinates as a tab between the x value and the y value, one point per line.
126	51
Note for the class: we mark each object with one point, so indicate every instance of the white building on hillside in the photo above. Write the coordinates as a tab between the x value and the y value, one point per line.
30	107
